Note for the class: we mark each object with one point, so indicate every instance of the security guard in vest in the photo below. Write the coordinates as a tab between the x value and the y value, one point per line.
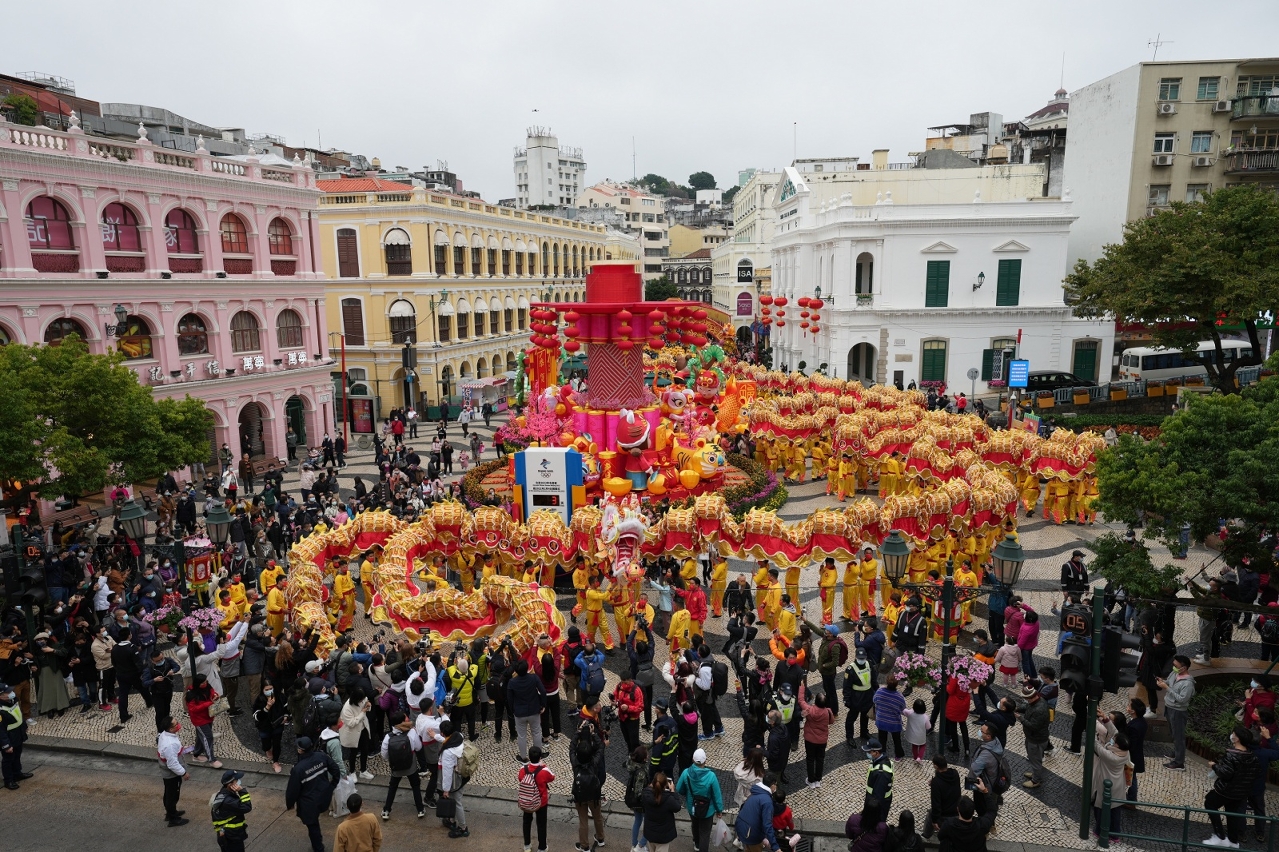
228	807
879	785
13	733
859	696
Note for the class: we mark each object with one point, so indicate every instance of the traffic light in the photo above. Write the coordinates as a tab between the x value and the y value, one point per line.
1076	663
1118	665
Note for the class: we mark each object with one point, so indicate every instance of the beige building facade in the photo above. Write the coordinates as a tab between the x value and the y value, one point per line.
644	216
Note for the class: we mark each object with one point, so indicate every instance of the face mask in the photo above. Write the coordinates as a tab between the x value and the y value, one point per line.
268	692
1254	684
177	726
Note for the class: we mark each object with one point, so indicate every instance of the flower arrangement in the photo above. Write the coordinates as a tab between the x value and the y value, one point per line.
762	492
200	620
917	670
996	383
938	385
164	619
970	672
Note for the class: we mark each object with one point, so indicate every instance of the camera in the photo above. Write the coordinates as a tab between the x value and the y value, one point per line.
970	783
608	715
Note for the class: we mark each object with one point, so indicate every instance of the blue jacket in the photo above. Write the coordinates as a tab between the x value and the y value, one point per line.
698	781
525	695
755	818
581	661
1265	752
664	602
874	645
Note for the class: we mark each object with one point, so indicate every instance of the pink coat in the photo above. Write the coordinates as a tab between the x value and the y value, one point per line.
1028	636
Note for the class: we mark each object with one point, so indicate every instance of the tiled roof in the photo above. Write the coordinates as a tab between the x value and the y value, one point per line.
700	253
362	185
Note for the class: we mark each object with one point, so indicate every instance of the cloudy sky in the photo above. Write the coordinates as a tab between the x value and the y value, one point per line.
717	85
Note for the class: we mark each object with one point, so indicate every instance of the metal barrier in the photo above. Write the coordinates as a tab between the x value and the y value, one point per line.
1105	834
1248	375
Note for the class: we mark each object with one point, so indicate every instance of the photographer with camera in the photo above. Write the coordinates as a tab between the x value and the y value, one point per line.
502	662
460	700
526	698
628	701
641	658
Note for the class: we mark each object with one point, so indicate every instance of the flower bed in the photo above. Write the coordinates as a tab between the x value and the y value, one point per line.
762	491
473	490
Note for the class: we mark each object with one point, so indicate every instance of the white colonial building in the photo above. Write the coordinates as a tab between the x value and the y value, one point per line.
737	261
925	292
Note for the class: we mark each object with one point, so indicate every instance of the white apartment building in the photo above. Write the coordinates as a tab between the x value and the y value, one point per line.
643	215
734	262
927	291
545	173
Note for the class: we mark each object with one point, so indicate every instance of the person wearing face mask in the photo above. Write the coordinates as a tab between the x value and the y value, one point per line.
269	711
1257	696
169	749
911	633
101	650
13	733
1235	772
1180	687
1111	763
150	589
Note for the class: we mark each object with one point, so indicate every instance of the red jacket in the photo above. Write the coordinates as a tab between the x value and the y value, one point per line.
198	709
695	600
629	702
1260	698
543	779
957	702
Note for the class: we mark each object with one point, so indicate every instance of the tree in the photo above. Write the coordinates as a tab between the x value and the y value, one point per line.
660	289
701	180
1190	273
76	422
729	193
23	108
655	183
1213	460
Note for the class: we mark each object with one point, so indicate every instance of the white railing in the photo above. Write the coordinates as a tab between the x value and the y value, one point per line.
166	159
228	168
123	153
281	177
37	139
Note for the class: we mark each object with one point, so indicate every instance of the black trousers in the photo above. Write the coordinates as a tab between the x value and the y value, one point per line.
897	744
551	715
832	694
230	844
630	733
161	699
711	721
466	714
952	739
11	764
500	712
814	760
1236	822
540	815
415	784
313	832
172	792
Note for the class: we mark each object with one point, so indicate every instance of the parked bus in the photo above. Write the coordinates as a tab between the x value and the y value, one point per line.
1143	362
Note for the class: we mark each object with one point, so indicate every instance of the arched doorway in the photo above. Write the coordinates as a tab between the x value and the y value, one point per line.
864	277
744	338
861	363
252	430
295	419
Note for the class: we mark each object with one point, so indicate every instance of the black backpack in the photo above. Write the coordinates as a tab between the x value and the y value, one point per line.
593	676
399	751
1003	775
719	678
635	787
1270	631
586	786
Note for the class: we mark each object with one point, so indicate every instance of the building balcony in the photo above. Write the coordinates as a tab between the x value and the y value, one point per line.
1254	106
865	300
1252	162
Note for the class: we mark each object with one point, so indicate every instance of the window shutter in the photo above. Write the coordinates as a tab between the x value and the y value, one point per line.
987	364
348	257
1008	289
934	364
937	285
353	322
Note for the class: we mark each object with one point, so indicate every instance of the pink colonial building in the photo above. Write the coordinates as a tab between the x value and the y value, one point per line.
202	270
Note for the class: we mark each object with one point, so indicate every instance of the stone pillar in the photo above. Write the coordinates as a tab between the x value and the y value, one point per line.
13	233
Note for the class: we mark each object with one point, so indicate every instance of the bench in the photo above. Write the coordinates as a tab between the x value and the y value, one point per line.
73	517
261	467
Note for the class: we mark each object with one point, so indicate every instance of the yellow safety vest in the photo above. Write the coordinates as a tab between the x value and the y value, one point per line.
232	822
15	716
861	682
886	766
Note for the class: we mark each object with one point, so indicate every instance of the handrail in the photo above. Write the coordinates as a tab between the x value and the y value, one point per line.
1104	833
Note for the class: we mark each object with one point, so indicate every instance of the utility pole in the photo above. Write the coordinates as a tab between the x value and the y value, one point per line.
1094	695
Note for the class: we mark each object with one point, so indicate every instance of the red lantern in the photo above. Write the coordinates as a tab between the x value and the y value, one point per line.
803	314
572	331
781	323
655	343
815	316
766	299
802	301
804	324
767	320
572	316
572	346
781	301
816	329
699	314
624	345
656	315
816	304
781	313
624	315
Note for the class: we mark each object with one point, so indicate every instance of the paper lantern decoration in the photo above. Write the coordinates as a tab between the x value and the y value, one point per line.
624	345
803	314
655	343
572	316
816	304
781	323
780	312
767	320
804	324
699	314
815	316
624	315
572	346
802	301
816	329
781	301
766	300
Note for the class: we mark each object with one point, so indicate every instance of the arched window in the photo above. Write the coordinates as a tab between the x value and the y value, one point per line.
353	322
60	328
48	225
280	237
135	343
288	329
119	227
245	336
403	322
235	237
399	257
555	259
546	258
179	233
193	336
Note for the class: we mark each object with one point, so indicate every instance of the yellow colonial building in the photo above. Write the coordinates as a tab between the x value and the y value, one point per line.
446	277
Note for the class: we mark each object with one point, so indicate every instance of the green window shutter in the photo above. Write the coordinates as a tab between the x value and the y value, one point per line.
1008	290
934	365
987	364
937	285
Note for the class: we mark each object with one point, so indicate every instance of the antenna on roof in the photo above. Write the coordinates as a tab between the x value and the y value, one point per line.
1062	84
634	171
1156	44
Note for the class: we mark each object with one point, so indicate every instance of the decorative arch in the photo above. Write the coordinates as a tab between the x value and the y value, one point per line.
279	234
193	334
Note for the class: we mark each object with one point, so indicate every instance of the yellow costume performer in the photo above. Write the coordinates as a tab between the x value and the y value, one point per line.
719	584
366	582
792	583
344	598
277	607
595	599
827	580
677	634
581	580
966	576
852	576
866	586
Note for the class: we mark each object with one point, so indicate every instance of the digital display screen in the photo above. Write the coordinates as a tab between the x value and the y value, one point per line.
546	499
1018	373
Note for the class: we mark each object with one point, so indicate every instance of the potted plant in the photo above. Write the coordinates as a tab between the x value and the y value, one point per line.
1154	388
165	619
1117	394
970	672
1045	399
1080	396
917	670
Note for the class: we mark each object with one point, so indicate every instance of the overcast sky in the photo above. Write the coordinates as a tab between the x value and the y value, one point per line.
699	85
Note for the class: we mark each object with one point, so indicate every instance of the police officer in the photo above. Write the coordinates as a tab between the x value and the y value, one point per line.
228	807
859	696
879	785
310	788
13	733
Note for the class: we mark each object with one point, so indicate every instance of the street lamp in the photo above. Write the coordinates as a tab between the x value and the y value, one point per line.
981	279
121	318
133	518
218	523
896	554
1008	557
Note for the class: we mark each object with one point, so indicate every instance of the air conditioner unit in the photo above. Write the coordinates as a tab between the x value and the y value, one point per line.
1167	108
1221	106
1200	162
1163	160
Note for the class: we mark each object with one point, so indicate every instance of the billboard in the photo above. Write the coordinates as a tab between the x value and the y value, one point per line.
1018	373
